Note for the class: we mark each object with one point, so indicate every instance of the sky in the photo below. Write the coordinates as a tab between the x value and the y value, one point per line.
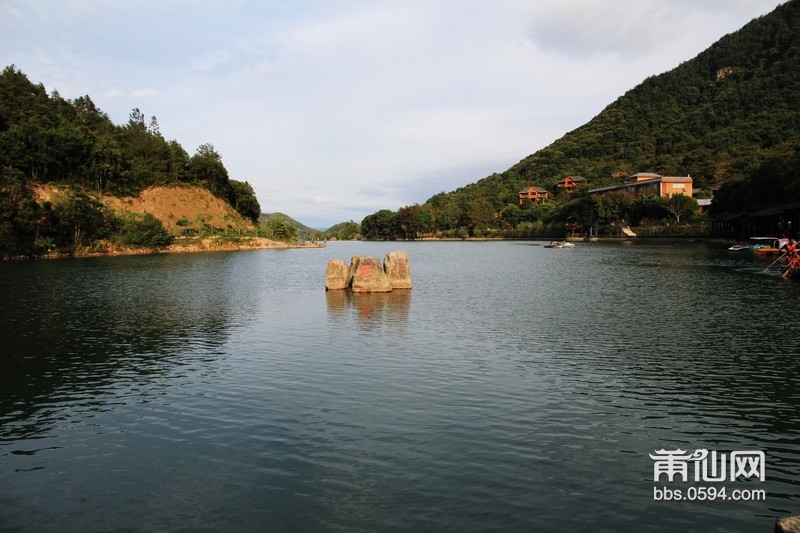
335	109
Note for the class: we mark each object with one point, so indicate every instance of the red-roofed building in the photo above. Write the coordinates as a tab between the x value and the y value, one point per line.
570	183
534	194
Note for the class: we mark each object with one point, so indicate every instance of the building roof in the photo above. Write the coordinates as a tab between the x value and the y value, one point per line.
537	189
658	179
767	212
645	176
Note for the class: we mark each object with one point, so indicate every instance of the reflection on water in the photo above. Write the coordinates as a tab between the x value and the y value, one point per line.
371	309
73	330
522	391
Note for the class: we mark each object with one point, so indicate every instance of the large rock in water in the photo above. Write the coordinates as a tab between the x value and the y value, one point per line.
790	524
336	275
395	264
367	275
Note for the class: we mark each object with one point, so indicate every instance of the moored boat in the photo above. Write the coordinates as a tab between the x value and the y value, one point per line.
766	245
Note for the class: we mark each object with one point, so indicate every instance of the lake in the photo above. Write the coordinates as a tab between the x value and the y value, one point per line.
514	389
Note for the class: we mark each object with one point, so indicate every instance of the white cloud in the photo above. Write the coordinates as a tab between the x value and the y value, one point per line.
144	94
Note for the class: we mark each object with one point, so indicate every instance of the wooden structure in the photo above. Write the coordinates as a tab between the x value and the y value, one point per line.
646	183
779	220
534	194
570	183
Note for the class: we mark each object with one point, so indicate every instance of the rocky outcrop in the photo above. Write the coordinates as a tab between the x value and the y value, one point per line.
336	275
395	264
790	524
366	274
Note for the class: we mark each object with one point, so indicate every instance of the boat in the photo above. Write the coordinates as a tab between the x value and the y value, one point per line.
740	248
791	272
791	261
766	245
559	244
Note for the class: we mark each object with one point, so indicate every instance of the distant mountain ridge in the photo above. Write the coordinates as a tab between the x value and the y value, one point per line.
303	232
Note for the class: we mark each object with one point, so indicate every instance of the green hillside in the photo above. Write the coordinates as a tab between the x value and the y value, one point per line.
46	140
281	226
344	231
730	118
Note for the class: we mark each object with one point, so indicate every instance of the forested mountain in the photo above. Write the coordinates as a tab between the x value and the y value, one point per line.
730	118
344	231
46	139
284	227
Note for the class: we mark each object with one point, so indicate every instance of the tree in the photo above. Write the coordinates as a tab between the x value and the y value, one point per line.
144	230
182	223
380	225
205	168
648	207
446	214
20	215
511	215
245	201
280	230
481	213
408	222
80	218
344	231
581	210
148	159
681	206
613	206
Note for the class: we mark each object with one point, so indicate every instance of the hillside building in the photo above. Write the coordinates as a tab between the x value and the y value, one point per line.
648	183
534	194
570	183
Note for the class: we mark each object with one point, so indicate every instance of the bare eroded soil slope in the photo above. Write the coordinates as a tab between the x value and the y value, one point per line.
194	207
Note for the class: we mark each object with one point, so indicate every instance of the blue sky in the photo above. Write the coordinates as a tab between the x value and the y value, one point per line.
334	109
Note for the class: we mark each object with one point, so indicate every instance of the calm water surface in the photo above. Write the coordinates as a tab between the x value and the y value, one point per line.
515	388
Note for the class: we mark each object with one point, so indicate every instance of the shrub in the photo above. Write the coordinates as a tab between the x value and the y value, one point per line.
143	230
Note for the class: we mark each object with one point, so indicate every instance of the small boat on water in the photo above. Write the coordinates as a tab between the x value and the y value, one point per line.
559	244
766	245
761	245
791	272
791	261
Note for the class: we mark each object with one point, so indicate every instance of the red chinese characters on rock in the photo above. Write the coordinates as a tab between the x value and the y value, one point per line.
367	274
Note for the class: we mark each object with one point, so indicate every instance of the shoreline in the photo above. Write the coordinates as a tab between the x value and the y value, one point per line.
184	245
569	239
181	245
